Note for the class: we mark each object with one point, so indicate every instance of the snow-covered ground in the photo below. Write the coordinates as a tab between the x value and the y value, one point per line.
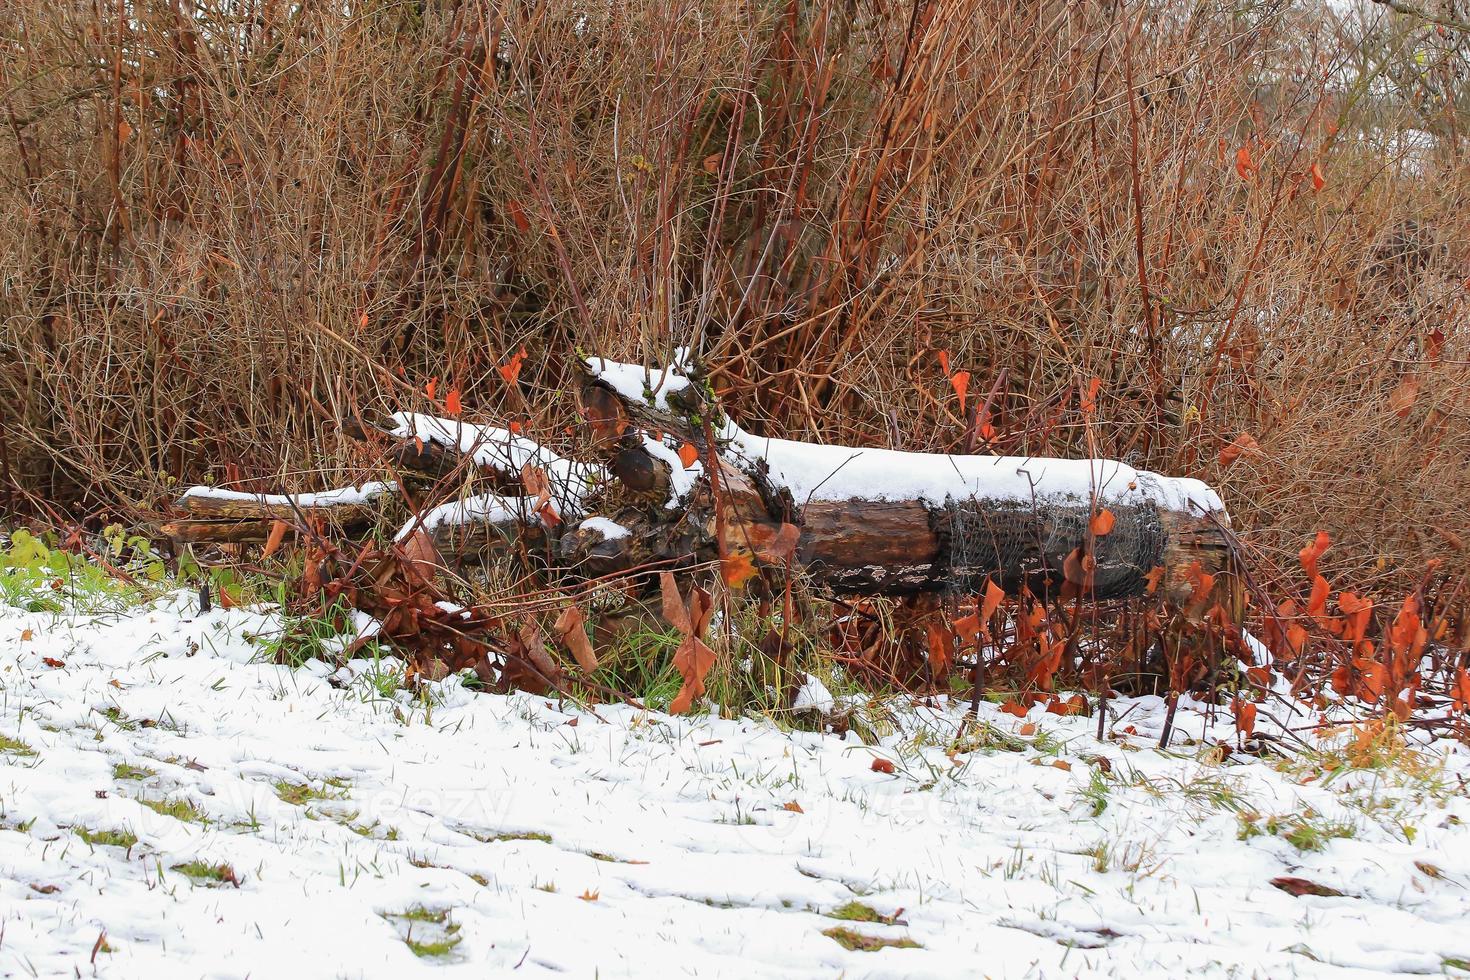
503	835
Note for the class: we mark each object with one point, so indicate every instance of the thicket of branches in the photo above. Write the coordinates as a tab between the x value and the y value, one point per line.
923	225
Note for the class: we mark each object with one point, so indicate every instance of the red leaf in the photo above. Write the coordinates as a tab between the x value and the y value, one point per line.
53	663
517	216
1318	181
882	765
452	406
1012	708
1301	886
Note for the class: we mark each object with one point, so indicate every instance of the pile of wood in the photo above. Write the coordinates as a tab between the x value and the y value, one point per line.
668	482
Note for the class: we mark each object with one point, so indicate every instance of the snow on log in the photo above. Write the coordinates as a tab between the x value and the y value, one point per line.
879	521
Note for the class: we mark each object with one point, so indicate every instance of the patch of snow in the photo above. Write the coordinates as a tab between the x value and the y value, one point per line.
609	529
813	696
634	843
502	450
681	478
813	471
636	382
488	508
342	495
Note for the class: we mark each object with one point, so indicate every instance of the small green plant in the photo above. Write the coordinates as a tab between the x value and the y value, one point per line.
851	939
184	810
110	838
203	871
857	912
317	636
300	794
438	933
123	770
14	746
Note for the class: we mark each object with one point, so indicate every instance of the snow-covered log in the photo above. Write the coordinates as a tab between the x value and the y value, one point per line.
876	521
673	481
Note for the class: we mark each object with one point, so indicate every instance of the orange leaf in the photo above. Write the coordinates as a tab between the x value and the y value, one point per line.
994	596
124	130
1245	717
511	369
882	765
1314	551
1460	692
452	406
432	388
1027	729
944	362
274	539
1318	180
1243	444
774	546
1153	578
1402	398
1061	764
693	660
737	569
1012	708
573	635
1089	400
688	454
961	382
1102	523
793	806
1245	167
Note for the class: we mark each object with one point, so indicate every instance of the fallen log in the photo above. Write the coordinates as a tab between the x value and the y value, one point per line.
883	522
673	481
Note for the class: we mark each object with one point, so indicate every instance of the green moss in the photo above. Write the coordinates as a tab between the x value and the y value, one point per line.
111	838
857	912
14	746
853	940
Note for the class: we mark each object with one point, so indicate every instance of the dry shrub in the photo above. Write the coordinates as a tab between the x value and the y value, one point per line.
226	225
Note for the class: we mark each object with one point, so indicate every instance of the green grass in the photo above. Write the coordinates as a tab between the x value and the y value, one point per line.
201	871
511	836
315	636
857	912
14	746
852	940
110	838
300	794
178	809
125	771
443	930
1309	832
